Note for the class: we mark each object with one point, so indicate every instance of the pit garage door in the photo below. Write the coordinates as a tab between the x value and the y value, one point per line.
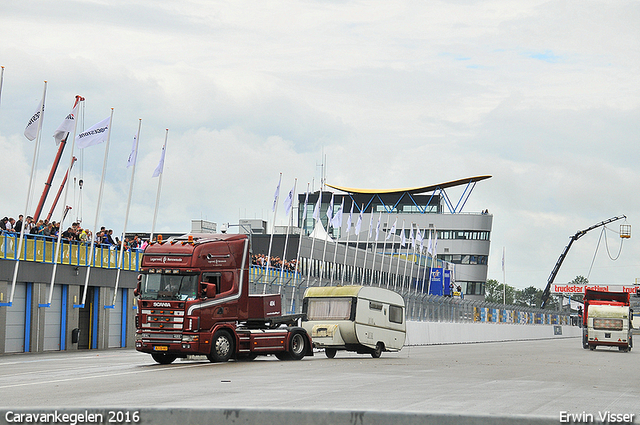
16	315
115	322
53	320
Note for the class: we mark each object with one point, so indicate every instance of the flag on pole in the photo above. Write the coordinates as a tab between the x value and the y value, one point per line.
429	245
337	218
502	259
288	201
306	202
330	210
350	218
359	222
275	196
371	223
435	244
378	227
134	152
316	209
160	166
393	229
31	131
95	135
67	125
403	242
413	241
421	240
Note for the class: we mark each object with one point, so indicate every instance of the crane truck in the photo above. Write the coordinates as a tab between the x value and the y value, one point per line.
193	299
607	320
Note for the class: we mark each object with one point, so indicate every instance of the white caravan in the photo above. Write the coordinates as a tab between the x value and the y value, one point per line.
365	319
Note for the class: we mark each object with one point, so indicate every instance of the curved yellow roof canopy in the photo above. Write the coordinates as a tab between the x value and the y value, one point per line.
412	190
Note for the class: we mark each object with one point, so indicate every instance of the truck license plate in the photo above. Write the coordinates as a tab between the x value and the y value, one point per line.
160	348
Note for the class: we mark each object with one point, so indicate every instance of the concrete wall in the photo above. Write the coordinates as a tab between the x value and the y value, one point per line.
429	333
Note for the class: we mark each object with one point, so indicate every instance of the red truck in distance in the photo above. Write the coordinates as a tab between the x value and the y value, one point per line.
193	299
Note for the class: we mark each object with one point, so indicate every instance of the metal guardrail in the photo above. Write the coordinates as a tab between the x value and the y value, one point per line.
42	249
419	306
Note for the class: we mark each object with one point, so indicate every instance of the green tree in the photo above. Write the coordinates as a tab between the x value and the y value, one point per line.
494	292
529	297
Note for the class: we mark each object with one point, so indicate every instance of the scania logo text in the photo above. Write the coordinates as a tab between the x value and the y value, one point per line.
161	304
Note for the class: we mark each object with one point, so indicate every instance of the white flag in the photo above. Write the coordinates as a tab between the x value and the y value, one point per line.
359	222
287	202
393	230
306	201
316	210
96	134
330	210
403	241
31	131
336	222
350	218
435	244
67	125
160	166
413	241
421	241
371	223
429	248
275	196
378	227
134	152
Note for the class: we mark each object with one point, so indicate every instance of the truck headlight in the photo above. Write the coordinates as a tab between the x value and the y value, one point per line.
190	338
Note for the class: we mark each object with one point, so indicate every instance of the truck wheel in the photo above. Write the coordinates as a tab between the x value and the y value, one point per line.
297	346
221	347
163	358
378	351
592	347
585	341
330	352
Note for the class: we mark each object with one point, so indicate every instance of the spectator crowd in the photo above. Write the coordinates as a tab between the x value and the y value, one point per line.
274	263
73	234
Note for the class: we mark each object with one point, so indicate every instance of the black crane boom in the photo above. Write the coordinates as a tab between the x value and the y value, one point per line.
578	235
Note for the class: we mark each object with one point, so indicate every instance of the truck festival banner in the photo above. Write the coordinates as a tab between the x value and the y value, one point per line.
569	289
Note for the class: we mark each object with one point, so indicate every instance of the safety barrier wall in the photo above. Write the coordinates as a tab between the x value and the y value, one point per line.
42	249
420	307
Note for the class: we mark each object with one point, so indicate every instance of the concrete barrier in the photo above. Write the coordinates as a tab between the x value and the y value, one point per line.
185	416
429	333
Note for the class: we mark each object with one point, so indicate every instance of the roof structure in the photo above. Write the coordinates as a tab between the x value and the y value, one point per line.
440	188
413	190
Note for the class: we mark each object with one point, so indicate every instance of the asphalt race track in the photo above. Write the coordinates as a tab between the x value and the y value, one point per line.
545	380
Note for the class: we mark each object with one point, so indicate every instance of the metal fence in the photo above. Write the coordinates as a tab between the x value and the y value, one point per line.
419	306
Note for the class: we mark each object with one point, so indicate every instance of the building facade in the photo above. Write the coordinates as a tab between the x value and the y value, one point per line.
463	238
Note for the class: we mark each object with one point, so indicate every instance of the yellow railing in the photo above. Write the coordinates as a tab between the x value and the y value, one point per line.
42	249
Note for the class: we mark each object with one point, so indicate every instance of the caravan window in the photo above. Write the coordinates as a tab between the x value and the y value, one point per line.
395	314
329	309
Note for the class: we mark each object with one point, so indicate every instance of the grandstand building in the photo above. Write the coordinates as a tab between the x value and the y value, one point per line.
463	238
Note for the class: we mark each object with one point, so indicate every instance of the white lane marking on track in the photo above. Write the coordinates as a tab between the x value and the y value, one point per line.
79	378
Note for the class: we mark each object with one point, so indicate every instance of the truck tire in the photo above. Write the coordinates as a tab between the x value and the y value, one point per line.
297	346
585	339
221	347
163	358
330	352
378	350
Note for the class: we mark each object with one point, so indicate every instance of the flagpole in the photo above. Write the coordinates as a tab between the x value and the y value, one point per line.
406	258
504	280
335	250
313	240
26	207
393	243
304	217
398	262
273	228
366	248
286	238
344	261
355	255
155	211
1	81
126	217
324	250
64	210
375	249
95	225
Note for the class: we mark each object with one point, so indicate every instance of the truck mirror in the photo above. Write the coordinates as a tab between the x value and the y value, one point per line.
136	291
208	290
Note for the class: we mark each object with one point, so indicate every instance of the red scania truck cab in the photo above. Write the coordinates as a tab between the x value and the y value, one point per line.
193	299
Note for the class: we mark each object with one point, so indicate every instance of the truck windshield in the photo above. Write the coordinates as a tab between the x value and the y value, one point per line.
169	286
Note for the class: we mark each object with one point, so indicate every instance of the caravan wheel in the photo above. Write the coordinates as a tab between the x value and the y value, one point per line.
378	351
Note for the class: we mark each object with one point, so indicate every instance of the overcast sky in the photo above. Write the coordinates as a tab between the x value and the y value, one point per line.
542	95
